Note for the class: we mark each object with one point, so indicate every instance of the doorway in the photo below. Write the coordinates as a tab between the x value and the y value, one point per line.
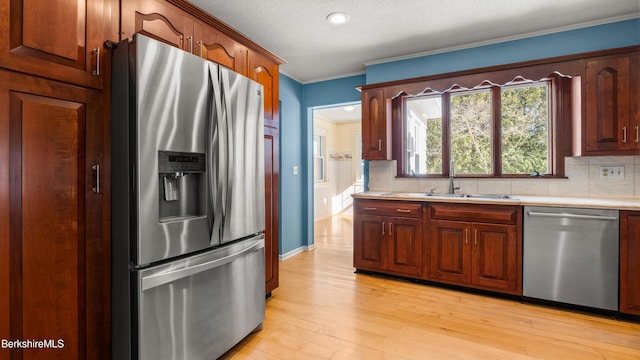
337	159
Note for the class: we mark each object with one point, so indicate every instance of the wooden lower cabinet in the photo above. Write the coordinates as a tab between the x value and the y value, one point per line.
54	228
388	243
485	253
630	262
271	233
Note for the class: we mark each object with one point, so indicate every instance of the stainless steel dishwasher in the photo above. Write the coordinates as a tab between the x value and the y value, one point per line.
570	255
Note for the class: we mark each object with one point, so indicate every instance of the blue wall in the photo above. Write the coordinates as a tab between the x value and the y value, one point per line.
298	102
292	226
607	36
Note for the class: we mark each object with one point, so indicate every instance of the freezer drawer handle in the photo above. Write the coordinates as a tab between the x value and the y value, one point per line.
572	216
162	278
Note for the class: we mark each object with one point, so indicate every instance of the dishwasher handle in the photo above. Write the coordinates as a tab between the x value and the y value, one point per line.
572	216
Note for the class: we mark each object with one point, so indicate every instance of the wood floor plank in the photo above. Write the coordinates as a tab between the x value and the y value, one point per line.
323	310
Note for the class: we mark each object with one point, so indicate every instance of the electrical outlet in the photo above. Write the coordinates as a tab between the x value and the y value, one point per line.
612	172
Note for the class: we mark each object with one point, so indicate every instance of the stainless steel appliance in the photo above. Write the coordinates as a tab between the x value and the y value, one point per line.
187	204
571	256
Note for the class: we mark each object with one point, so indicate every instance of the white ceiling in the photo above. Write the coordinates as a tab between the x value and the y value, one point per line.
339	114
378	30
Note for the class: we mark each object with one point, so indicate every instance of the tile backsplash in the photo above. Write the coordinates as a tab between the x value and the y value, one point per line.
583	180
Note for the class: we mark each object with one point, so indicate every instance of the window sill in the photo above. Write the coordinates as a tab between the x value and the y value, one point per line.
476	177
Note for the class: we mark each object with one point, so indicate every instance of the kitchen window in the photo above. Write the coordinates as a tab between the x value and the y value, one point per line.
488	131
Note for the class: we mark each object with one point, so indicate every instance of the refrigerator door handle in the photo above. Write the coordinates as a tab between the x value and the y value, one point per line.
155	280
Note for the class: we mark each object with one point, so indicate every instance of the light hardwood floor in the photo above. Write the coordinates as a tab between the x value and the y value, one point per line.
323	310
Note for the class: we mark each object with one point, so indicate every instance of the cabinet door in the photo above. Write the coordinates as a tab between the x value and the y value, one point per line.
157	21
376	126
271	183
56	39
266	73
369	243
54	230
450	251
404	251
213	45
494	257
630	262
634	110
607	105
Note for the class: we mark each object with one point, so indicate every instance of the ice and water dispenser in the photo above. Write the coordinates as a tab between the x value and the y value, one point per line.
182	191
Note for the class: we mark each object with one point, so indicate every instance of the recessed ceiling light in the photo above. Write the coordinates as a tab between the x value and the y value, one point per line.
348	108
338	18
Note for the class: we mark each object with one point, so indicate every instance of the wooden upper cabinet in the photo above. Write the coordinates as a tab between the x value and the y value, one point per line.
216	46
56	39
266	72
611	112
376	126
157	21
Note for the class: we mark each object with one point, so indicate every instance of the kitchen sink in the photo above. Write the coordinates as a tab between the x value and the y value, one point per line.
474	196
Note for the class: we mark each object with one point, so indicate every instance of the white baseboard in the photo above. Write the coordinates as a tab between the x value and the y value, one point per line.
297	251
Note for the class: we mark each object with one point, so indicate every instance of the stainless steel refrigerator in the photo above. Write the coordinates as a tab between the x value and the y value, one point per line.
187	204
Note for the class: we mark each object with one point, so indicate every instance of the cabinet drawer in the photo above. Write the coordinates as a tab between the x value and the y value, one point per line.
389	208
494	214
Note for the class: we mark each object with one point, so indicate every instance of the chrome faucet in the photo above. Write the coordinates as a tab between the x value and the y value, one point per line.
452	187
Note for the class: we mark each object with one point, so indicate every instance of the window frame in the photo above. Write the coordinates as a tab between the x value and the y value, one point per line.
560	119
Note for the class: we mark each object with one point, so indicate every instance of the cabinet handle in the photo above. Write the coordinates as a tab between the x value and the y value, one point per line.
624	135
390	228
371	209
96	189
637	134
200	43
96	51
406	211
466	236
475	237
383	225
190	38
379	144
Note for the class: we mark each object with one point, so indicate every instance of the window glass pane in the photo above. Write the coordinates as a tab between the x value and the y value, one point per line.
318	158
423	121
471	132
525	129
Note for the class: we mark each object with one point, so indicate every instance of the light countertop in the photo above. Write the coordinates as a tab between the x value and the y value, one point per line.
594	203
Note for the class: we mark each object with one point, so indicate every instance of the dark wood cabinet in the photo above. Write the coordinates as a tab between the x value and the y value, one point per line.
611	110
214	45
476	245
265	72
54	220
388	237
272	181
56	39
630	262
376	126
157	20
